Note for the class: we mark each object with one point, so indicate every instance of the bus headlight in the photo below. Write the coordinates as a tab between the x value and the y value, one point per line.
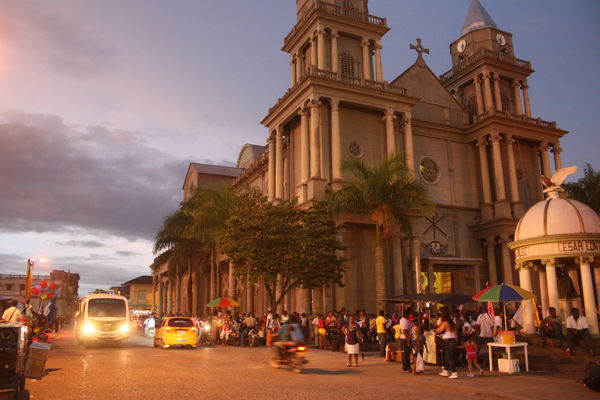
89	329
124	328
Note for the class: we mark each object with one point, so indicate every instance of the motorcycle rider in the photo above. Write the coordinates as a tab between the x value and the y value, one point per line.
288	337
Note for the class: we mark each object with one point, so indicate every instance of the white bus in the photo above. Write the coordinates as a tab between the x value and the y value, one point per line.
102	317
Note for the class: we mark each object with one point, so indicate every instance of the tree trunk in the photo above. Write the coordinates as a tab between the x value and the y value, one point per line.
213	282
379	272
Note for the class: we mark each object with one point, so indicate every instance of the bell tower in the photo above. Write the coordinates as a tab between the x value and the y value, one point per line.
510	145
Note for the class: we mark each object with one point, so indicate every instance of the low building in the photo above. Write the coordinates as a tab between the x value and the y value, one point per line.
13	286
139	292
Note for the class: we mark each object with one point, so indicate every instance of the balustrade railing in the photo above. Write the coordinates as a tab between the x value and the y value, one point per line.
510	115
484	53
336	10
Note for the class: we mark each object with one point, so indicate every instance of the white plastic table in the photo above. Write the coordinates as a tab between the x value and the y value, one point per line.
508	347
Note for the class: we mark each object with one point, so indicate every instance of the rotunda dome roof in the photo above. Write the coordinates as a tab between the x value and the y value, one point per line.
557	216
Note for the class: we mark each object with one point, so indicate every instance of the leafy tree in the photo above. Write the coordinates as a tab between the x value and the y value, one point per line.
587	188
282	246
387	192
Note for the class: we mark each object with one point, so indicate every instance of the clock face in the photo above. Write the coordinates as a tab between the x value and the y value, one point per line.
461	46
501	39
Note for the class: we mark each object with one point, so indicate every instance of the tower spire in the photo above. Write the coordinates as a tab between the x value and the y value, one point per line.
477	18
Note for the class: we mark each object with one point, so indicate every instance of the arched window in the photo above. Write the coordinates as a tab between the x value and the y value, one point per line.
347	64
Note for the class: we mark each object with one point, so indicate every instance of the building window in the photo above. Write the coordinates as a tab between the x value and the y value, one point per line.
356	150
472	109
429	171
347	64
141	297
9	286
22	287
506	103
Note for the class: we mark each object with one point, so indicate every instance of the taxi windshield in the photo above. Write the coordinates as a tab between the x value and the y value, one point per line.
181	322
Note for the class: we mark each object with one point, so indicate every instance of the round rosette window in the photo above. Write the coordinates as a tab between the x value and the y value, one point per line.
356	150
429	170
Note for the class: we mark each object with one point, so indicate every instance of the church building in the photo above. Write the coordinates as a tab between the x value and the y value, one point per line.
469	135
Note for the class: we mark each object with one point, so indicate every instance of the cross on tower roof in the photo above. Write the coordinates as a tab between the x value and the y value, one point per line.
419	49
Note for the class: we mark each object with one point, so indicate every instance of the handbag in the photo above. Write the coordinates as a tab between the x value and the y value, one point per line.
419	364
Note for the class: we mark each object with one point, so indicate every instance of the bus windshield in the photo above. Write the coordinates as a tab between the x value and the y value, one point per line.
107	308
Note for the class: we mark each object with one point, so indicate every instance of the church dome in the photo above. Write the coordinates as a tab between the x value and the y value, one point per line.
557	215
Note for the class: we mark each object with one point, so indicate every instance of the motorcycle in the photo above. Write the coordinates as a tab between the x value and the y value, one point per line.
292	356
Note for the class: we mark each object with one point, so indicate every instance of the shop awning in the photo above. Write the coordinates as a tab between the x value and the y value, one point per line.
450	299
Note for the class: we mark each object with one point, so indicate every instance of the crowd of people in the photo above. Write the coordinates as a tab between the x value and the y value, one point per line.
461	336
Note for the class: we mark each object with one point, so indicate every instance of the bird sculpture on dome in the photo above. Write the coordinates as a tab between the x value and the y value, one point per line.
553	184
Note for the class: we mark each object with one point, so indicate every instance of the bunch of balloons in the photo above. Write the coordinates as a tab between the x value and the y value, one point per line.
44	290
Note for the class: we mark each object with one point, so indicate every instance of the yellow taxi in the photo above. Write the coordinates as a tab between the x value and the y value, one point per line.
176	331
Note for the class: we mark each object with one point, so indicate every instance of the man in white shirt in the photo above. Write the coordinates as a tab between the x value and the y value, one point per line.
405	341
12	313
315	325
484	326
578	328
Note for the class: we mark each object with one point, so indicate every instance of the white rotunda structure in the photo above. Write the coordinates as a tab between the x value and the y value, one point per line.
560	239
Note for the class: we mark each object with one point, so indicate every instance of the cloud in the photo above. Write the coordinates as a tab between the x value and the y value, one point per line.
57	42
82	243
54	177
126	253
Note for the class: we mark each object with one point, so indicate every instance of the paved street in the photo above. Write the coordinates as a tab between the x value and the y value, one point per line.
139	371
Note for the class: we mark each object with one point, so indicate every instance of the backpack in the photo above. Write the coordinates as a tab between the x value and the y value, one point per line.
592	376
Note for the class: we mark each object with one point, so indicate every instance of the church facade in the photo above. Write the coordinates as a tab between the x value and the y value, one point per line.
469	135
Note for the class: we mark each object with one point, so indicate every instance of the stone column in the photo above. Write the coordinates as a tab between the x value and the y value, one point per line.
546	170
299	65
514	182
556	150
304	146
279	164
213	281
543	290
334	52
321	48
507	262
154	287
408	143
313	51
487	89
477	82
528	319
552	284
430	278
307	294
271	168
160	296
485	179
293	79
336	141
315	151
317	300
366	59
517	91
169	296
588	295
378	64
389	118
249	295
177	307
231	282
497	94
398	263
490	244
416	258
526	99
498	167
476	278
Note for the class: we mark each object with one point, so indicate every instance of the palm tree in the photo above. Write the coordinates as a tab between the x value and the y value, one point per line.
209	209
387	193
587	188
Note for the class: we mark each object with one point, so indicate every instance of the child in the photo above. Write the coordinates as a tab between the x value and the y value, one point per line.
471	349
417	344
